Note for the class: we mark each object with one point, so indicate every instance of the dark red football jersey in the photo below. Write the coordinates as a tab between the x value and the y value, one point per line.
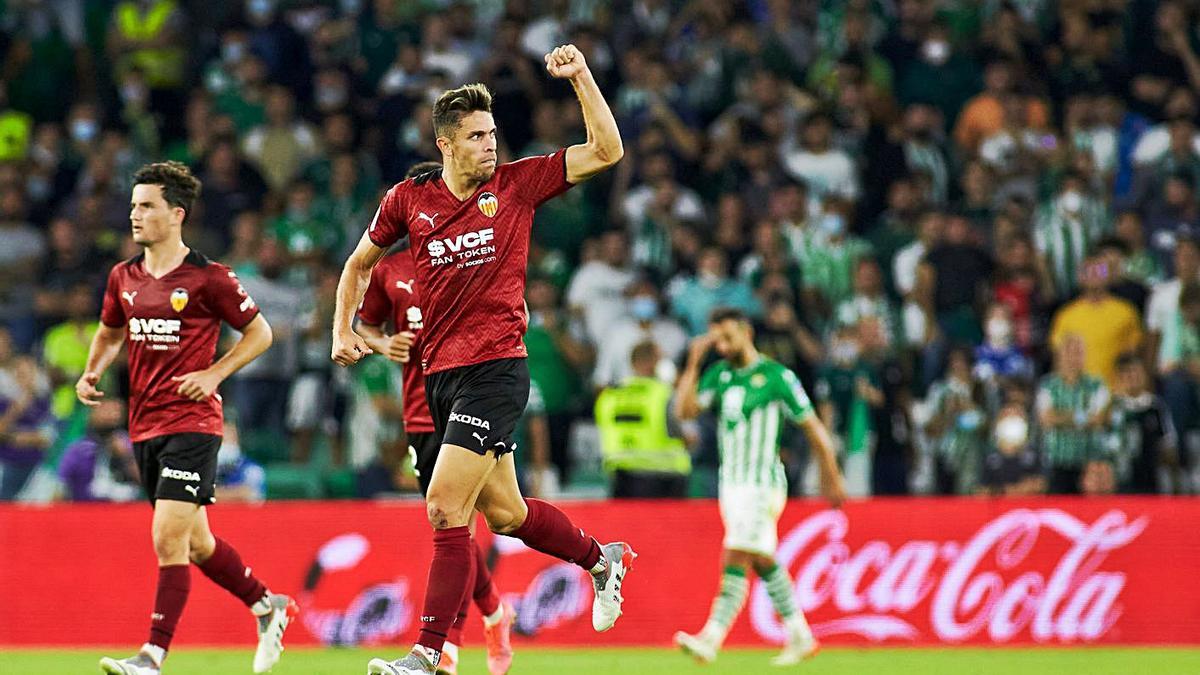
393	295
172	325
471	256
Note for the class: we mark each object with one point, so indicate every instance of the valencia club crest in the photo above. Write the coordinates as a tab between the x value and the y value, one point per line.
488	204
179	299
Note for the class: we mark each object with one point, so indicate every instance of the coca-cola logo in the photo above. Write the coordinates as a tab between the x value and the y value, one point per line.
994	584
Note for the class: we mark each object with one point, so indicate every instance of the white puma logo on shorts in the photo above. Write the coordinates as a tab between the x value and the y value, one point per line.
482	439
195	490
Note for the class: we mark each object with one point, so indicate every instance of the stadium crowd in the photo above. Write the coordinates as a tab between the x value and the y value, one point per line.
971	227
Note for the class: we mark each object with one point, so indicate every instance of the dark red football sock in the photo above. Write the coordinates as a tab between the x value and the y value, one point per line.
550	531
174	583
226	569
449	576
455	634
485	595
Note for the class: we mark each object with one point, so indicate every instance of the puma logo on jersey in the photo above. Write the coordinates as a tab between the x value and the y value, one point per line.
129	296
406	286
473	421
423	216
482	439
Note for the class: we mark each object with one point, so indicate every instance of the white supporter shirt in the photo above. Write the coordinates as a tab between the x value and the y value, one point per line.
613	353
598	291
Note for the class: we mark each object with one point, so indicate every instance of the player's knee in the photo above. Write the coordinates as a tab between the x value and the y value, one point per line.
201	547
170	544
441	514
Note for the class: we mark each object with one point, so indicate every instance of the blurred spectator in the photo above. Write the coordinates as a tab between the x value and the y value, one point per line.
558	355
1179	366
231	187
70	262
825	169
1143	434
654	208
1115	254
694	298
65	347
939	73
1072	409
283	144
316	403
951	281
26	427
22	248
641	454
889	401
597	291
1065	230
1023	286
1012	466
101	467
1141	265
151	37
303	233
787	338
1163	307
239	480
1173	212
259	388
870	302
984	114
535	470
846	386
895	229
645	322
1107	325
957	426
998	358
828	259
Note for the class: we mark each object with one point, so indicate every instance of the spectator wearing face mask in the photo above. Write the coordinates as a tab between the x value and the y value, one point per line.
998	358
1065	229
940	75
1012	466
828	260
644	322
693	299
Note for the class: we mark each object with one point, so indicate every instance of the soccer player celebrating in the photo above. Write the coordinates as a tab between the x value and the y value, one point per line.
752	394
167	304
469	225
394	296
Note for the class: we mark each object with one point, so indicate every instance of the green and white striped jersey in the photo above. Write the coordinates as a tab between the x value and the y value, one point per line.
751	404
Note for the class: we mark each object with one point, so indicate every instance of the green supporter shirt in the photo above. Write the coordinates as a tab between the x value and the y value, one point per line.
751	404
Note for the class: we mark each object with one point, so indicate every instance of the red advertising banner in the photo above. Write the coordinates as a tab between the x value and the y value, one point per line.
891	571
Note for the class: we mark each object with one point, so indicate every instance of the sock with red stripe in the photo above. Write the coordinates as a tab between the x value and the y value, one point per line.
487	599
174	584
226	569
550	531
449	576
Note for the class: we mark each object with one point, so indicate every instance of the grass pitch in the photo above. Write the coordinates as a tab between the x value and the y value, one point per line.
529	661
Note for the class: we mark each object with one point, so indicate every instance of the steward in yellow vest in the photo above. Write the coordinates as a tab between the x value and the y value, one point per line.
640	453
142	37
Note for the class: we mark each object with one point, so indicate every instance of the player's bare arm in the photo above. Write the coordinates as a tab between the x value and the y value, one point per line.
200	384
396	347
687	403
603	146
349	346
106	345
821	443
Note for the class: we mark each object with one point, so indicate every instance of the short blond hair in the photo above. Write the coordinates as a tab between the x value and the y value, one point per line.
454	104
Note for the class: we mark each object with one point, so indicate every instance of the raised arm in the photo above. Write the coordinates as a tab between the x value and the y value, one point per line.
603	146
687	399
348	346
